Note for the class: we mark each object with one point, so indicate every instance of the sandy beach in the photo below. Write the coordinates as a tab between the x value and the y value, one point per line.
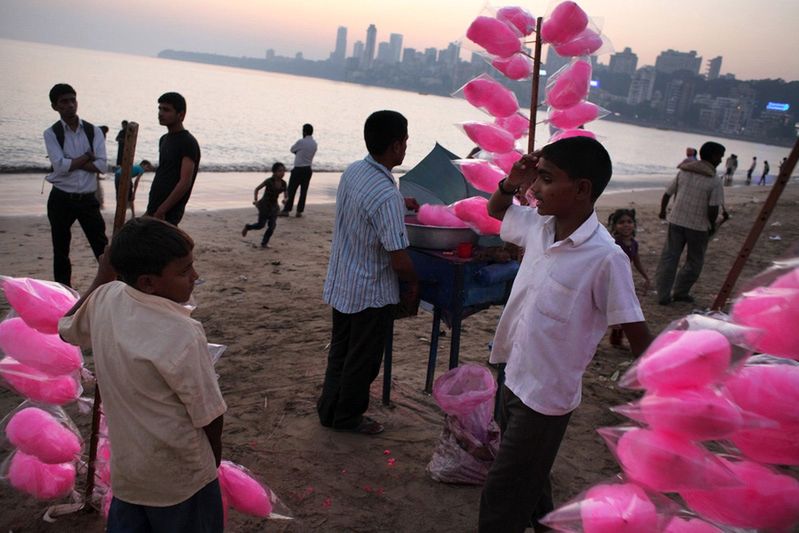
266	306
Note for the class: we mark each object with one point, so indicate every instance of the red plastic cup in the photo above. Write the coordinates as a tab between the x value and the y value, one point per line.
465	250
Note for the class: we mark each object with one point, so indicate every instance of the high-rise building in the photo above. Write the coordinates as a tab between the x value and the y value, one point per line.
430	55
408	55
671	61
395	42
623	62
714	68
383	53
554	62
340	53
357	50
642	85
369	50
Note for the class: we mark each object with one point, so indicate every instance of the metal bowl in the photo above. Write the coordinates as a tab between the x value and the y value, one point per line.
437	237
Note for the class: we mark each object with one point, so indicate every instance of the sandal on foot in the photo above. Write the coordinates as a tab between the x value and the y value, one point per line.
367	426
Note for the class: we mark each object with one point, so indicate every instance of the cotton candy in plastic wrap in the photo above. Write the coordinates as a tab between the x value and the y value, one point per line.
474	212
690	525
584	43
565	22
494	35
440	216
517	17
516	67
489	137
483	175
664	462
39	303
38	386
506	161
486	93
517	125
568	86
43	481
42	351
567	134
37	432
775	311
761	498
247	495
576	115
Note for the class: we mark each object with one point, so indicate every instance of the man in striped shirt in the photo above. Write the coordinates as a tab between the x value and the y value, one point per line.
367	261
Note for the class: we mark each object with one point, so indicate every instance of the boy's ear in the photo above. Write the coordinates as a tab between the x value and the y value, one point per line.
144	283
584	187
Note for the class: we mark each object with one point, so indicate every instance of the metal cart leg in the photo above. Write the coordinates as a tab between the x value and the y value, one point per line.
431	360
387	356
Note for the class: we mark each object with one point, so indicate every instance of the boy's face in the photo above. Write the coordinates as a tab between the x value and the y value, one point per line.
176	281
279	173
167	116
67	106
555	191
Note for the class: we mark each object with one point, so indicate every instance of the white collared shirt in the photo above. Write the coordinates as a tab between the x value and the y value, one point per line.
76	143
304	150
565	295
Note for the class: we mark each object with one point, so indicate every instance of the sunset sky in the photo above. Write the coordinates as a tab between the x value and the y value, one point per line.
758	39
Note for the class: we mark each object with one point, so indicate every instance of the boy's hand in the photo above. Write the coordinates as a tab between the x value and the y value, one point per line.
524	171
411	203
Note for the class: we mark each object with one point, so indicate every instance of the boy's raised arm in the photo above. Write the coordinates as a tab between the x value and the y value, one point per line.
521	176
105	274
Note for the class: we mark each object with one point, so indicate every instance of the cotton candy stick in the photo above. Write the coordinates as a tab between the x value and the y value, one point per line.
42	481
40	303
489	94
474	212
439	215
42	351
36	432
494	35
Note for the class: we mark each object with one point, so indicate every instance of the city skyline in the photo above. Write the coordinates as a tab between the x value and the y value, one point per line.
752	37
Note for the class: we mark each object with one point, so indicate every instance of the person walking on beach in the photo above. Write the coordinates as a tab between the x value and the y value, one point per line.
267	206
730	166
766	169
179	159
368	259
120	139
698	194
76	150
136	172
304	151
574	282
751	171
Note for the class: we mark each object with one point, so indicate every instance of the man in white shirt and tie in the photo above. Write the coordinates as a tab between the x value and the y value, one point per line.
304	151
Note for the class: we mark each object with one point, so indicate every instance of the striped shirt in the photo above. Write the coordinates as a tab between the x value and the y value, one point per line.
370	223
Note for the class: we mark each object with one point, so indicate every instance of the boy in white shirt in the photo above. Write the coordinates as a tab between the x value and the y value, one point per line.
159	390
574	282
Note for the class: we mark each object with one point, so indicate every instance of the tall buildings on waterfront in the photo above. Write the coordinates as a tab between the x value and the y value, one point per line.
714	68
671	61
339	54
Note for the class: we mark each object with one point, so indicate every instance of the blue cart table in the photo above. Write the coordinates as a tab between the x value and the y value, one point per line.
456	288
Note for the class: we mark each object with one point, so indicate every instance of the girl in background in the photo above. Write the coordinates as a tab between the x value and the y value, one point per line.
622	225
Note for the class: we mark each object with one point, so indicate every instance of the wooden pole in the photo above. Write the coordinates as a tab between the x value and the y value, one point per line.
131	134
757	228
536	78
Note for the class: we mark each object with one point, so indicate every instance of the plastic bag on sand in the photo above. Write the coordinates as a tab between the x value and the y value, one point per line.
462	458
42	481
247	495
46	433
467	392
40	303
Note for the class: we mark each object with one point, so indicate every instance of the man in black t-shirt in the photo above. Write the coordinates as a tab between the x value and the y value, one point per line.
177	164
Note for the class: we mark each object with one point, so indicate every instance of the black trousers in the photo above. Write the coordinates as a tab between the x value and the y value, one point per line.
300	178
266	217
353	362
518	490
63	209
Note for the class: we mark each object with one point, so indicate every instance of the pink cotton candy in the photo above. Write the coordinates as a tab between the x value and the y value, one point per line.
789	280
38	433
701	414
573	116
489	137
564	24
483	175
584	44
516	67
40	303
103	462
494	35
775	446
107	498
570	85
38	350
776	312
474	212
766	390
694	359
761	499
617	509
439	215
42	481
492	96
567	134
244	493
690	525
517	17
517	125
38	386
506	161
665	462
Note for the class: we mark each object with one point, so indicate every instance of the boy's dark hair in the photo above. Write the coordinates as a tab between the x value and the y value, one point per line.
175	100
145	162
616	216
307	129
711	149
581	158
383	128
278	166
147	245
59	90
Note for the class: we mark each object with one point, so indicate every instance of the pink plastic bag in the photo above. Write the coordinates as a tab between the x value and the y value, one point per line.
515	67
38	386
569	85
44	352
439	215
488	94
460	457
565	22
40	303
489	137
36	432
494	35
584	44
483	175
517	17
42	481
467	392
474	212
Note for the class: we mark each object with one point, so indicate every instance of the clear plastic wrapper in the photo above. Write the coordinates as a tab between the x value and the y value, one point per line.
243	492
42	351
516	67
690	524
38	386
216	351
39	303
576	115
483	175
692	352
43	481
495	36
474	212
489	137
489	95
46	432
569	85
762	498
665	462
566	21
517	17
440	216
774	311
517	125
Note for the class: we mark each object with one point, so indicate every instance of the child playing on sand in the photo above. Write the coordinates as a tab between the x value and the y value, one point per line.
622	226
268	209
159	390
573	282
